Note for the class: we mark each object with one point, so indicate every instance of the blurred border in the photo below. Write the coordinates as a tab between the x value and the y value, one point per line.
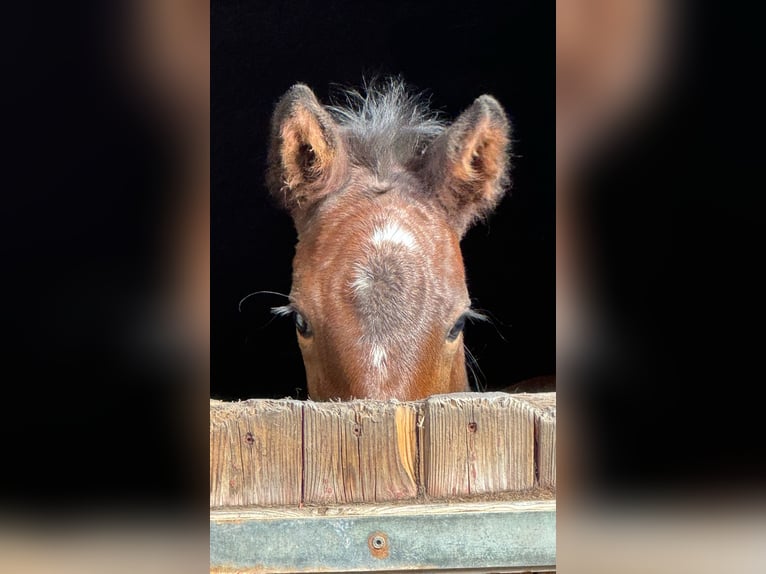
658	289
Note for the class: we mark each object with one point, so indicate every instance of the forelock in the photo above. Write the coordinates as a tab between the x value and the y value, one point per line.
385	125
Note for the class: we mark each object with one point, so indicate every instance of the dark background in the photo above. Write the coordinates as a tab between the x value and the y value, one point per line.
86	410
455	51
675	212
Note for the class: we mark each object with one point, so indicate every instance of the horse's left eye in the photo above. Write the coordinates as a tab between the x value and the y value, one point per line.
301	324
456	329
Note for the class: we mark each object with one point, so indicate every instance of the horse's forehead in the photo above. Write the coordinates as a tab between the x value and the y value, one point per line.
390	234
387	242
386	218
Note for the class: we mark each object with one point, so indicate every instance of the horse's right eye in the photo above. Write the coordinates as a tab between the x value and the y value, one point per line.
301	325
457	328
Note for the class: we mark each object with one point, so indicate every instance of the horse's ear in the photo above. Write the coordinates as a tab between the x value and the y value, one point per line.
468	163
303	151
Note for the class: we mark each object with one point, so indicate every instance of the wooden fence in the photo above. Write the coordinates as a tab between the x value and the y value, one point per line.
306	486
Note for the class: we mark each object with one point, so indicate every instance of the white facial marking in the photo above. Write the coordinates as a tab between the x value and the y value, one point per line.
374	282
392	232
378	358
362	280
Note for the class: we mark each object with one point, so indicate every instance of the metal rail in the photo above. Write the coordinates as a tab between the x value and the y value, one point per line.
501	536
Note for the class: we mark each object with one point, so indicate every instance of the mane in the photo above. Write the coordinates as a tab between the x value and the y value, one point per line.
386	126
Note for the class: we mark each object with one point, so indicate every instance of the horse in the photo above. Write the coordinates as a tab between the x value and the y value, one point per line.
381	191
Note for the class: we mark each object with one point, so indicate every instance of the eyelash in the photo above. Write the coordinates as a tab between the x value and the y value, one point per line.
457	328
302	324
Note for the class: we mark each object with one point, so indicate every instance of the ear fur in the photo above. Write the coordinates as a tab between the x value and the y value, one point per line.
467	165
303	152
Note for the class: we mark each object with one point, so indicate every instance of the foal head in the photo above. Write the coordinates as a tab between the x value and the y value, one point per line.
381	193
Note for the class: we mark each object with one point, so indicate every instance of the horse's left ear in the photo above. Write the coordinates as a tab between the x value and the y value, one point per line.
467	165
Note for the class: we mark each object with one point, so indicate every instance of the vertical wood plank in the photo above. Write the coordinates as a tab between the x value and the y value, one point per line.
478	443
360	451
545	437
445	440
255	453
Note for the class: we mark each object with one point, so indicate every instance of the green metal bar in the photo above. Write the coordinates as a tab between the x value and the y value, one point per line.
507	537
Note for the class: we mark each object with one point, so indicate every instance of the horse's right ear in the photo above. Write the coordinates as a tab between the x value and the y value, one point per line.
303	151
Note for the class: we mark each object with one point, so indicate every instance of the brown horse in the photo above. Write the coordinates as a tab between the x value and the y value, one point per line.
381	192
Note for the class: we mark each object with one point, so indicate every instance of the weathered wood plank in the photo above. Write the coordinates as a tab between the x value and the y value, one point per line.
360	451
478	443
406	508
446	447
545	437
255	453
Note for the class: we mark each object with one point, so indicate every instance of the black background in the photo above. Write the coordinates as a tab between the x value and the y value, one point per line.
675	209
455	51
85	198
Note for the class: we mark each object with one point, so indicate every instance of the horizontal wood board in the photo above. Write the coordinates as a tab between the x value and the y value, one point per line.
287	452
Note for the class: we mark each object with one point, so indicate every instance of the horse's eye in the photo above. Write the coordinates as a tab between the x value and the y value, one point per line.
301	324
457	328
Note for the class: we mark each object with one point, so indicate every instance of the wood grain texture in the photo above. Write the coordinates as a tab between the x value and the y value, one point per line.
384	509
451	447
478	443
255	453
360	451
545	437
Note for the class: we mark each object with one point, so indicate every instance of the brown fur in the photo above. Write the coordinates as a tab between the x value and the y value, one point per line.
378	272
